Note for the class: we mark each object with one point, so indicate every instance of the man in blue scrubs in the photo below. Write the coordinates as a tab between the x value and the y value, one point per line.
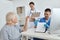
45	19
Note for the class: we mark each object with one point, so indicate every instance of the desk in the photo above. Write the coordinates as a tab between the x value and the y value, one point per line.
32	33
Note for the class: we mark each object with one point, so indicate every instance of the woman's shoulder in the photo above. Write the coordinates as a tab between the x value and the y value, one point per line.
5	28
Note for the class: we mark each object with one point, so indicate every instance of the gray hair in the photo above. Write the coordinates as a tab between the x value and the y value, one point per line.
9	16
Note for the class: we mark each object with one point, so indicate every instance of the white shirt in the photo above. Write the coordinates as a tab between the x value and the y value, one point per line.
31	11
31	24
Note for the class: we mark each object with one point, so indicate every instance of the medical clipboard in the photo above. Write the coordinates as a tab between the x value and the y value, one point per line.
34	15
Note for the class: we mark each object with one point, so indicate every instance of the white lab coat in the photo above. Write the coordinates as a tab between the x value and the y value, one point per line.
31	24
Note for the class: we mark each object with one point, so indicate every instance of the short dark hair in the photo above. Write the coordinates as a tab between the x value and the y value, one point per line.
47	10
31	3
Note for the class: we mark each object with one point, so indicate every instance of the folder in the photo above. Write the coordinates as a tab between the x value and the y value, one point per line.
34	15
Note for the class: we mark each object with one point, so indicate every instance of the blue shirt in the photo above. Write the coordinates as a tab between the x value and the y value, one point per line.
43	20
47	22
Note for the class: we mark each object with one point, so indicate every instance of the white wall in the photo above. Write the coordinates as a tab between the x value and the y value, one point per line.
39	4
6	6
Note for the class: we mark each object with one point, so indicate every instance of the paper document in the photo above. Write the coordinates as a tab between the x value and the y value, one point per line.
40	27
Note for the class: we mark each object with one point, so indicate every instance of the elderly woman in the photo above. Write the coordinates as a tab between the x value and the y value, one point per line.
11	31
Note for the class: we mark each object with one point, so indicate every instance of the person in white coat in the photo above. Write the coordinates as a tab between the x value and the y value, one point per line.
29	13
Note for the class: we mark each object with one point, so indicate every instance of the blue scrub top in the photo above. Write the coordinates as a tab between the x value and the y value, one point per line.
43	20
